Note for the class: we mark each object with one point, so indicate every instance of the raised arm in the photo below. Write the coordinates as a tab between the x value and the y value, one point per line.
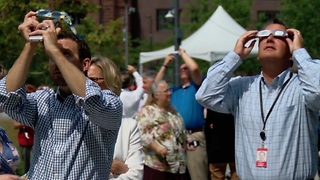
138	92
162	71
193	67
215	91
58	54
308	70
18	73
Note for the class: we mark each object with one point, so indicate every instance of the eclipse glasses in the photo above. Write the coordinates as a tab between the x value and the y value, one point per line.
275	33
56	17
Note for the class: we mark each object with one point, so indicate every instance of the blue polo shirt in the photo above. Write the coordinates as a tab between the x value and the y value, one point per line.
183	99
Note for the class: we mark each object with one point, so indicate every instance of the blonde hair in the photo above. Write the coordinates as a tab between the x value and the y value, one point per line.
111	73
3	71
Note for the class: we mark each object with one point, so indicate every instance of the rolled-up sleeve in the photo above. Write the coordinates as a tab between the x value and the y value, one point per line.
103	107
17	104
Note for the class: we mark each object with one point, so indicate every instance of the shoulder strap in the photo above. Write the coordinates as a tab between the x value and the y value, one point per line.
77	148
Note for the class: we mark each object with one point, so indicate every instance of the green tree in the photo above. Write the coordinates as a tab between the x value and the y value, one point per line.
12	13
303	15
200	10
102	41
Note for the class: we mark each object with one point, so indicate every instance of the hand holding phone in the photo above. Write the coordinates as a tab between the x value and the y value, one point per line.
36	38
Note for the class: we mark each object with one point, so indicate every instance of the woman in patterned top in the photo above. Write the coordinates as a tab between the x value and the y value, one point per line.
9	157
163	136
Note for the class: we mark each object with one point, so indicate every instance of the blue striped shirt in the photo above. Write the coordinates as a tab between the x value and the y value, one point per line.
59	123
291	129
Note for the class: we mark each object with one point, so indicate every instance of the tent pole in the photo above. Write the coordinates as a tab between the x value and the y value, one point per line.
177	40
126	33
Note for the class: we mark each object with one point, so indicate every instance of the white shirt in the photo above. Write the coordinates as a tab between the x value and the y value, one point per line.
128	149
131	99
143	101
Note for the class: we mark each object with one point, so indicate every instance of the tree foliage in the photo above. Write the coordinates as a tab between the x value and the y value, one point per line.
105	41
303	15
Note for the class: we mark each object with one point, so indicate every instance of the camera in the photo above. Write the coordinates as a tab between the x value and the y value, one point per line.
175	53
36	38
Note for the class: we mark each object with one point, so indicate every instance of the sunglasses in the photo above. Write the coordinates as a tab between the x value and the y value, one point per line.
275	33
58	16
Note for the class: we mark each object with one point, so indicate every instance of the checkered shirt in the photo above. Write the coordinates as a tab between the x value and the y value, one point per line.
59	124
291	129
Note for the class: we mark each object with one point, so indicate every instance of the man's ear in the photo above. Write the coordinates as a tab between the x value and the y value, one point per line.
86	64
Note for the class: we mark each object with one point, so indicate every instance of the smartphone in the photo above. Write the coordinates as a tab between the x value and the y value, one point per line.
193	143
175	53
36	38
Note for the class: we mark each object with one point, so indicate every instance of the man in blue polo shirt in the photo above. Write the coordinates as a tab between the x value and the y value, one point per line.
183	98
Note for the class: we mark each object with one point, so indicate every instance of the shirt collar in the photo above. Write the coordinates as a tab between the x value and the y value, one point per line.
279	80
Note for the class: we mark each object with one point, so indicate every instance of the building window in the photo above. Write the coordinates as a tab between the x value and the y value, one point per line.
162	22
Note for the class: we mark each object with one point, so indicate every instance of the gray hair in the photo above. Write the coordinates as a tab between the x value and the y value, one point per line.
154	89
151	74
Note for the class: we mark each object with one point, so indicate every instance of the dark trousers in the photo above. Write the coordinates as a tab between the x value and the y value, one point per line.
152	174
26	156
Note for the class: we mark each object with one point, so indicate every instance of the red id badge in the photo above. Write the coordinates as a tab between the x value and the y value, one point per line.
262	157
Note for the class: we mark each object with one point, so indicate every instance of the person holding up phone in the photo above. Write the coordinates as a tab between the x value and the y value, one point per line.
75	126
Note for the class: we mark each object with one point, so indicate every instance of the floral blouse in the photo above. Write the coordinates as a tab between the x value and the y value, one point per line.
9	159
166	128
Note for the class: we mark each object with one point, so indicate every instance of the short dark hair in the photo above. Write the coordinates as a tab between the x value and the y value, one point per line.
83	48
275	21
126	79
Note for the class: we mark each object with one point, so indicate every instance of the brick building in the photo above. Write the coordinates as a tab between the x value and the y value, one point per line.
146	21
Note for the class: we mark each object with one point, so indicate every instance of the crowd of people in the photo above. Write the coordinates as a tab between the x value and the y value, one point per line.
96	126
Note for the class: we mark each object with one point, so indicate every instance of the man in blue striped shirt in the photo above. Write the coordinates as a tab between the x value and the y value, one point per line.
276	112
75	127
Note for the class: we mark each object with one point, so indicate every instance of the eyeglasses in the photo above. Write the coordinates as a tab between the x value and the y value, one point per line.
166	91
95	79
57	16
275	33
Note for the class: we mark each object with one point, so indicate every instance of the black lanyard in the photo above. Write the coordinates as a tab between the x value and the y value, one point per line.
264	120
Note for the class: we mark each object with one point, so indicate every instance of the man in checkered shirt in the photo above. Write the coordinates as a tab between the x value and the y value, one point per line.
75	127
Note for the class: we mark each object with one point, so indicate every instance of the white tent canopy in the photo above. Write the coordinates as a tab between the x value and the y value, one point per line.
211	42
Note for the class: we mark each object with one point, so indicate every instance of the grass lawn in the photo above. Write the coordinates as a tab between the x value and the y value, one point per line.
7	124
